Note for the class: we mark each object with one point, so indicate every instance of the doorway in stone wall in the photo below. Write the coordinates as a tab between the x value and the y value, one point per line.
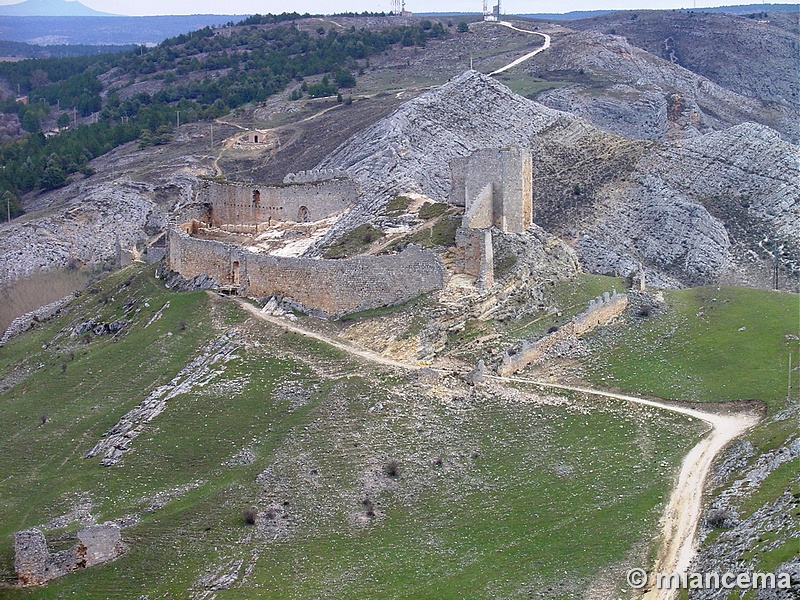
235	273
303	216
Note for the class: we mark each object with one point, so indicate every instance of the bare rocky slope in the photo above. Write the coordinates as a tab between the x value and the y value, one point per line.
754	55
624	203
626	90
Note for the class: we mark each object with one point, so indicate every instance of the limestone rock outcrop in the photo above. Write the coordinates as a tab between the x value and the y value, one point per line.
35	564
626	90
87	226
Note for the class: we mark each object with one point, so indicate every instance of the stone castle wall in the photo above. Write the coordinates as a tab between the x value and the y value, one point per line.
313	175
241	204
331	287
599	311
475	255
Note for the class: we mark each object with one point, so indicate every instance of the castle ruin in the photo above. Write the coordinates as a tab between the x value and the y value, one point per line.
246	206
35	564
598	312
325	287
495	189
494	186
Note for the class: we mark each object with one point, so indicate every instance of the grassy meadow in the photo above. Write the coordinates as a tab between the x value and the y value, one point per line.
497	494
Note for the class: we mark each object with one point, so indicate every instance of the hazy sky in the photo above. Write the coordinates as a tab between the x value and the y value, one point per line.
241	7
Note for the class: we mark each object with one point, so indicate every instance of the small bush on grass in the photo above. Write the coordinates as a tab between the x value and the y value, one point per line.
392	468
249	515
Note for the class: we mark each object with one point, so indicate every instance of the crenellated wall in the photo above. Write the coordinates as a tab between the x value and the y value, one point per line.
240	204
600	310
331	287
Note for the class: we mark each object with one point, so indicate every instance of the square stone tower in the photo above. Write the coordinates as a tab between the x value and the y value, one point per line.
495	188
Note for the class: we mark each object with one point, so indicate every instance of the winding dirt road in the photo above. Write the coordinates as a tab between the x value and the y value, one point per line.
683	512
682	515
522	59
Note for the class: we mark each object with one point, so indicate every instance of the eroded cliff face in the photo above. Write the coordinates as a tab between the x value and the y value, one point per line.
626	90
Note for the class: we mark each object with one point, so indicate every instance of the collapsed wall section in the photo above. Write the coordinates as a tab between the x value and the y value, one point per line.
331	287
241	204
35	564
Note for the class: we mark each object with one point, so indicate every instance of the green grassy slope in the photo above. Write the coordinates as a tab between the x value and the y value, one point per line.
714	344
496	496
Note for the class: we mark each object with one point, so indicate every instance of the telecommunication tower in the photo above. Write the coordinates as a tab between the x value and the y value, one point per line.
491	16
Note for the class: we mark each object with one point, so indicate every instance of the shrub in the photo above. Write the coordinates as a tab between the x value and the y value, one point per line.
249	515
717	517
43	418
369	507
462	27
392	468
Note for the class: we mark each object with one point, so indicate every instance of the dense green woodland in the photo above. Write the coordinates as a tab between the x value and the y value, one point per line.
204	75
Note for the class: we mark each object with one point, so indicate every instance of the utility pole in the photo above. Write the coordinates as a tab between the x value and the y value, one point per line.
178	118
775	263
212	135
789	385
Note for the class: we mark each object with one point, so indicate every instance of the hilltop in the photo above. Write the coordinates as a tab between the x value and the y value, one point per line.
640	141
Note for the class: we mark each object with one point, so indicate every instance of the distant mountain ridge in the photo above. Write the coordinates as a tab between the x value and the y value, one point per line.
741	9
50	8
109	30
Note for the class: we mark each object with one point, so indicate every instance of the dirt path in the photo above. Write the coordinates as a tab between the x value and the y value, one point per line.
683	512
522	59
361	352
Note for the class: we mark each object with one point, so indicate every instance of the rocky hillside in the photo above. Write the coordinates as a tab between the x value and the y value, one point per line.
626	90
675	208
754	55
713	205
